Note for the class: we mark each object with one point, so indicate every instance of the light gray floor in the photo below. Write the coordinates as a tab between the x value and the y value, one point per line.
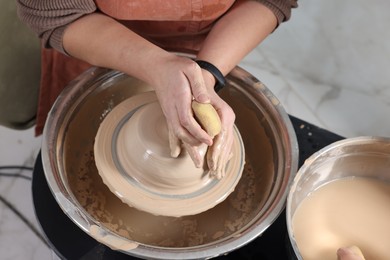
330	65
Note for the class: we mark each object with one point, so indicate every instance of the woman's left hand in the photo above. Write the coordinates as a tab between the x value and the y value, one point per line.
219	153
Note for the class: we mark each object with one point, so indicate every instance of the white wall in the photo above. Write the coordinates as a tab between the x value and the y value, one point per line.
330	65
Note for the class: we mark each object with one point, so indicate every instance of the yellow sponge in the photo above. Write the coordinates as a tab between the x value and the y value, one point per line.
207	117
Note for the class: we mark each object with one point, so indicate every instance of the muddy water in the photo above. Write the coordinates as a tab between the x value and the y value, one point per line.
217	223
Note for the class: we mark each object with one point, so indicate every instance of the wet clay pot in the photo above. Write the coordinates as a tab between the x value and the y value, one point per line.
271	157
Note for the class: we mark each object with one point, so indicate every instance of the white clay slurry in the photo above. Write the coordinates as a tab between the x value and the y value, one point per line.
344	212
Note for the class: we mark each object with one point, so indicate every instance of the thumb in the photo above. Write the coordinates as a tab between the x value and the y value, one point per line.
198	86
349	253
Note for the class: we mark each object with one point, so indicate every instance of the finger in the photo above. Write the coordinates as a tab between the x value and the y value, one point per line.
183	135
220	156
174	144
212	158
195	131
224	158
177	130
196	153
215	150
220	172
197	84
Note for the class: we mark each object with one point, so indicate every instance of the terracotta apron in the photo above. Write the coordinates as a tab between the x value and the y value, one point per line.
171	24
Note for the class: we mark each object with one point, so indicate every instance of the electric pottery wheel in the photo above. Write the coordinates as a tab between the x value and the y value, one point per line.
71	171
133	158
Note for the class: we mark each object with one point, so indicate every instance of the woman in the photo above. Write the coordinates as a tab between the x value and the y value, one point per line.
134	36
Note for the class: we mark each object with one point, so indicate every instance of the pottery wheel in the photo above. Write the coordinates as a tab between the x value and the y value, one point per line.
133	158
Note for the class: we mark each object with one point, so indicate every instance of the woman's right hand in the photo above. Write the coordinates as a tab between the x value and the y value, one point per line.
177	80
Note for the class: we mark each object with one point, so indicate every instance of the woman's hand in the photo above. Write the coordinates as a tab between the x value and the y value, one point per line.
177	81
219	153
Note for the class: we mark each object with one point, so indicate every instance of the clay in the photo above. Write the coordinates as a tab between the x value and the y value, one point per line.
133	157
207	117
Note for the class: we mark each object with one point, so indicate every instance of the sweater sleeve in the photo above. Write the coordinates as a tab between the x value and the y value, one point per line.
281	8
49	18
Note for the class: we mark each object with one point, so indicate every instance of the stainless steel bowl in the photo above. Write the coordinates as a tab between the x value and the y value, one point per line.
354	157
259	197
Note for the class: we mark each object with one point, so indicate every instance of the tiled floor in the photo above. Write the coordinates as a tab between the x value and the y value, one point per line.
329	65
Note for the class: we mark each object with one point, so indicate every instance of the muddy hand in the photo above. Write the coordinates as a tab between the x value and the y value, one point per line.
197	153
176	84
219	154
